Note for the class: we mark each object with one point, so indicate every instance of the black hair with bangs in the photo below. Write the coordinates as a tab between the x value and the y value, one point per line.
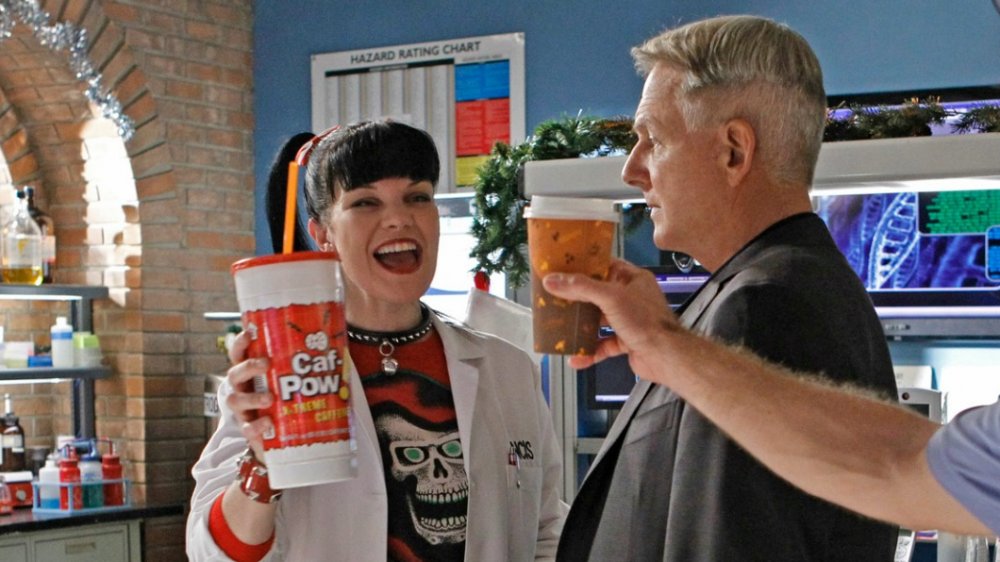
364	153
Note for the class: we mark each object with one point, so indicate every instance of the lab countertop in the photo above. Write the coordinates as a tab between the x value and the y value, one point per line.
25	520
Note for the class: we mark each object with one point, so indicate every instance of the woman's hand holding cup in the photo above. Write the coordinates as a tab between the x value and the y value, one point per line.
243	401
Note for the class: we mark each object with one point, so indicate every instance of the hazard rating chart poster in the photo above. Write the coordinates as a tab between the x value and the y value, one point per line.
467	93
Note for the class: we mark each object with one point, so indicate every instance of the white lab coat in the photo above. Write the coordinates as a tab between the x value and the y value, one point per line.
515	514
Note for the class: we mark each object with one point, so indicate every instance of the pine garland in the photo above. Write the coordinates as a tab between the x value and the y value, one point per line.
911	119
983	119
501	231
498	225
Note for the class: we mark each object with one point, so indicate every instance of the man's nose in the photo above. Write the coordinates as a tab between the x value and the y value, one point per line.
635	172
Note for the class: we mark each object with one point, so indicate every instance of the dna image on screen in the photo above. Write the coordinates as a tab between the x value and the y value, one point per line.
915	241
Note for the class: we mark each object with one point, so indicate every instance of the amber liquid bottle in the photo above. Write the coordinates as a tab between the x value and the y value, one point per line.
48	227
21	247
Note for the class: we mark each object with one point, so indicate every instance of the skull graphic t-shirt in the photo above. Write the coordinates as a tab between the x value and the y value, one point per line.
423	457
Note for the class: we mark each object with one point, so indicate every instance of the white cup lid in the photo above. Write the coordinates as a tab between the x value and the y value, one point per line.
547	207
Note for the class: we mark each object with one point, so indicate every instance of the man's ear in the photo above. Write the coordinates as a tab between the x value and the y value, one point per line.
320	234
740	148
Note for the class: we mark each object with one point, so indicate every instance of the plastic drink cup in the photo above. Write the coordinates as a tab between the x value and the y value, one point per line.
567	235
293	307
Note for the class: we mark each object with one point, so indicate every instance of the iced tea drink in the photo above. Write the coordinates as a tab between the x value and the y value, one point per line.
567	235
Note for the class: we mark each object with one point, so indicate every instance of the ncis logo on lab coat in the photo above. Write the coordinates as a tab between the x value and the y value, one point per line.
522	450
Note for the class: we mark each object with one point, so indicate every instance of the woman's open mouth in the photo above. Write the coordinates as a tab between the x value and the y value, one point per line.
399	256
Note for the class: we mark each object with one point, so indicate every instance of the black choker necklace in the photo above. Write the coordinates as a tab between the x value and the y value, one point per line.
387	341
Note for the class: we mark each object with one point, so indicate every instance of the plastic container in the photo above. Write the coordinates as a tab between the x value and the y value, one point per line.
111	468
91	474
69	473
48	484
567	235
62	343
86	350
19	483
39	361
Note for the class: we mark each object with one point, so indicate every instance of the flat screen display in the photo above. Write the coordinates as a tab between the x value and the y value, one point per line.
922	409
608	383
926	253
677	273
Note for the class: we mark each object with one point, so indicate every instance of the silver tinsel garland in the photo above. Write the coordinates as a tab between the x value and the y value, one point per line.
63	36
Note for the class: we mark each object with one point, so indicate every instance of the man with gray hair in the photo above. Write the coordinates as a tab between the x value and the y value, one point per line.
729	129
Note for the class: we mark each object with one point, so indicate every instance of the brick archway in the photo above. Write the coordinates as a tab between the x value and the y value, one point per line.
157	219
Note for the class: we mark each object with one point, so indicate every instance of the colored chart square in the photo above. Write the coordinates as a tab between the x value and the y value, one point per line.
496	80
468	82
467	169
482	81
496	122
470	130
481	124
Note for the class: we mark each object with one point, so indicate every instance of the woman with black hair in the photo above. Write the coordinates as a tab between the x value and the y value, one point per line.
457	458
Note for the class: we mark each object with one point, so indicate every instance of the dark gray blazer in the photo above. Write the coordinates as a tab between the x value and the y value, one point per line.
669	485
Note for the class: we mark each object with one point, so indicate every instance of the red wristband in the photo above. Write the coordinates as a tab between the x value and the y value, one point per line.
253	480
229	543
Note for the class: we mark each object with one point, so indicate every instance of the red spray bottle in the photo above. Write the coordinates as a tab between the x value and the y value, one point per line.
111	470
69	480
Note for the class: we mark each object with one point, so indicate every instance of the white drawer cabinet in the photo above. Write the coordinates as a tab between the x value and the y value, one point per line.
14	551
102	542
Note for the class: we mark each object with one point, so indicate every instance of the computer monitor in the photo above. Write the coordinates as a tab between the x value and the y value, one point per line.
924	401
608	383
921	253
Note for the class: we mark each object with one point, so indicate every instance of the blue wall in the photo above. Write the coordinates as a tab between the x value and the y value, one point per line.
577	52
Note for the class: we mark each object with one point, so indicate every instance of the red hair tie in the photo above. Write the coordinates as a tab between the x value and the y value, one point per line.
302	156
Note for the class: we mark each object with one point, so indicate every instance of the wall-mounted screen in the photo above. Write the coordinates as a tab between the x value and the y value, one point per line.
678	274
608	383
920	254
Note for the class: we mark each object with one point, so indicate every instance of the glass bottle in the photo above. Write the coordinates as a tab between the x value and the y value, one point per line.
6	498
48	228
21	260
12	439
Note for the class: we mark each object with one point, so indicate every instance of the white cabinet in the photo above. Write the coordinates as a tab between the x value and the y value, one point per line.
14	552
103	542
